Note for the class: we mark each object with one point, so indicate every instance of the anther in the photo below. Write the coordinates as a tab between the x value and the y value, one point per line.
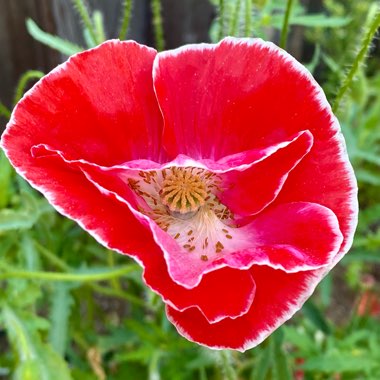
183	191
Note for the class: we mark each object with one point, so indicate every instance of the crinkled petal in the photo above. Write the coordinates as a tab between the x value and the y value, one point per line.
245	94
224	293
99	106
293	237
278	296
251	187
325	176
213	295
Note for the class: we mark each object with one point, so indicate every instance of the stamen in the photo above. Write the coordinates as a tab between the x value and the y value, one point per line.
183	191
184	202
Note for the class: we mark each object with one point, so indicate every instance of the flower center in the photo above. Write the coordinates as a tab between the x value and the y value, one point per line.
183	191
184	202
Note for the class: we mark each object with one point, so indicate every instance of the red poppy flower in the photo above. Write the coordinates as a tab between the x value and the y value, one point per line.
219	168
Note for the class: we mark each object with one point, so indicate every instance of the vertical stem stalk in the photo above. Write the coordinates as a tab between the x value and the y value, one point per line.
285	24
234	26
359	59
85	16
158	24
228	370
248	18
221	19
4	111
127	7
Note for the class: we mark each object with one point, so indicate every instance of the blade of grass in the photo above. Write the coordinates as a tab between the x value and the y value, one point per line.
99	27
158	24
221	18
248	18
5	111
285	24
127	11
234	24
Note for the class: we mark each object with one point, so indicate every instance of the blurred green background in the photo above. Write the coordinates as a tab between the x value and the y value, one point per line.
70	309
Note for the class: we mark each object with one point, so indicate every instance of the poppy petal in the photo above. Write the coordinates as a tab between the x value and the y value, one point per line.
213	297
250	189
208	116
276	98
326	177
110	120
284	237
278	296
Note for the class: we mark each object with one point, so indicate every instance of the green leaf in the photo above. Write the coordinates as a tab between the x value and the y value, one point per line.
29	253
36	359
368	156
320	20
315	316
262	366
98	23
54	42
300	339
341	363
4	111
59	316
6	173
325	289
280	365
24	80
315	59
16	220
366	176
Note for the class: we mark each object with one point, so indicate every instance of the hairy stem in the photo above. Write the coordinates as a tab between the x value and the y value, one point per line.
57	276
248	18
23	81
84	14
365	44
285	24
127	11
228	370
4	111
234	26
221	19
158	24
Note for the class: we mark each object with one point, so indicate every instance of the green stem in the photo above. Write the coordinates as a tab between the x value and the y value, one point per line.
98	23
359	60
285	24
221	19
85	16
54	259
127	7
56	276
111	263
119	293
228	370
235	19
157	24
4	111
248	18
23	81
